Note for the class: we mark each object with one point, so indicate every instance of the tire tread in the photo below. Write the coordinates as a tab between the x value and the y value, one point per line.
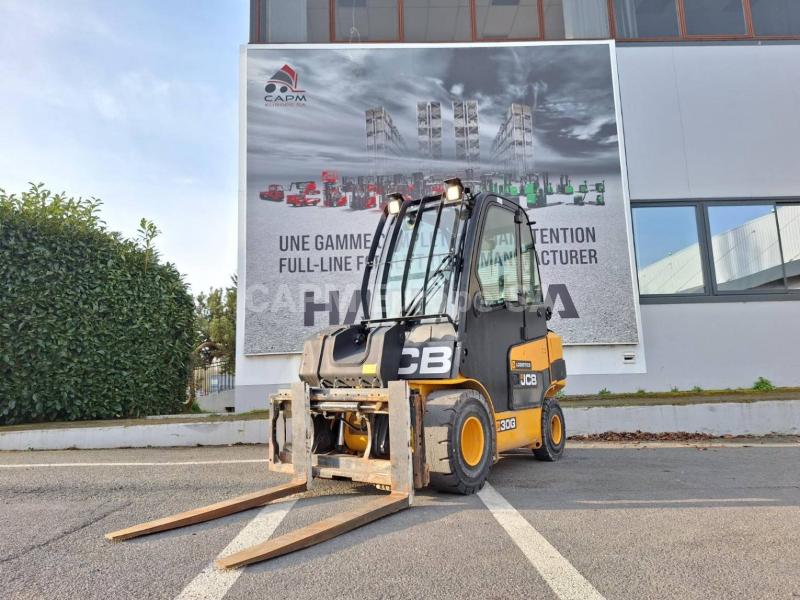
441	412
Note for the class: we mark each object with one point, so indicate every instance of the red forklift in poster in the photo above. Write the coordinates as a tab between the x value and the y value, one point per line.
303	193
273	193
332	194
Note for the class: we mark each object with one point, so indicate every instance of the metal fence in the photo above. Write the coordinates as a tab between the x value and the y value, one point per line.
212	379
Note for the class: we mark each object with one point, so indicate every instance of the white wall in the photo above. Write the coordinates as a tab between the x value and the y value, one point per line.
713	345
711	120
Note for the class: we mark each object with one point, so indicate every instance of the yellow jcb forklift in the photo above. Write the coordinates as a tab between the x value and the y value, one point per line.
452	365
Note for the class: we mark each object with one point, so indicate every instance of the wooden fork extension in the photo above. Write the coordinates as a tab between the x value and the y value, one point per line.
210	512
316	532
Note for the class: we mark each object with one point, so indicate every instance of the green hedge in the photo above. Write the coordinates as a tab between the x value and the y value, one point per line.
92	326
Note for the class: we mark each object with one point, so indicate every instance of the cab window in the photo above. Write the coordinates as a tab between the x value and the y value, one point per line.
498	257
531	283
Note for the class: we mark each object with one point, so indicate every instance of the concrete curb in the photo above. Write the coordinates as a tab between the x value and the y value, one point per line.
216	433
724	418
730	418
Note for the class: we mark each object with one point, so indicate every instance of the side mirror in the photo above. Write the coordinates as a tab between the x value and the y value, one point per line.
548	313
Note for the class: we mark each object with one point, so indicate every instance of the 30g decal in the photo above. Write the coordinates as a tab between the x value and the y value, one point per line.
507	424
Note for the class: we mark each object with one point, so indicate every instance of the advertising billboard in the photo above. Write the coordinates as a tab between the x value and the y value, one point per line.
331	131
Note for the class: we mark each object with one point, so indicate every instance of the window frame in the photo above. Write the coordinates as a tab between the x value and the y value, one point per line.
712	292
504	303
473	7
472	26
748	25
257	35
699	224
612	10
332	24
536	275
749	15
716	290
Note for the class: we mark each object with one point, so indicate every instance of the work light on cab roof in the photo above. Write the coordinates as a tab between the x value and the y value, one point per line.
453	189
395	202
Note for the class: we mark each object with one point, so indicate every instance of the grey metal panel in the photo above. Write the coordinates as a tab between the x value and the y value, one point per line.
654	143
711	120
713	346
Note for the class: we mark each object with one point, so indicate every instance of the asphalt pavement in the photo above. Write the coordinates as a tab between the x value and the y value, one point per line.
611	521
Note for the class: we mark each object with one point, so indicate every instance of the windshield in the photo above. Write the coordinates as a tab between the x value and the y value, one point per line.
419	271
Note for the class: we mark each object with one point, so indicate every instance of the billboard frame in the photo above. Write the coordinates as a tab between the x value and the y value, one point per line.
585	358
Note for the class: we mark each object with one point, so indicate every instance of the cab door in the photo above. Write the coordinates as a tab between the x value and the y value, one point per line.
529	360
494	319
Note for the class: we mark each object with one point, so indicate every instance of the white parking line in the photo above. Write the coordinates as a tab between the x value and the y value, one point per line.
565	581
677	501
211	584
692	445
132	464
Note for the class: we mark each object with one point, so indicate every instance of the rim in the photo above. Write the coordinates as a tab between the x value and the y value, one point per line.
472	441
556	429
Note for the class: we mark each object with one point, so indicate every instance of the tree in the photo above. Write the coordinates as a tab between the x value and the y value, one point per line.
215	319
92	325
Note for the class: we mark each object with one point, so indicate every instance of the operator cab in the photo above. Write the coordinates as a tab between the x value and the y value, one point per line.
451	286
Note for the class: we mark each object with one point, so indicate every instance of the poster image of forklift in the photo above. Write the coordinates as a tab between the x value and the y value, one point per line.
332	130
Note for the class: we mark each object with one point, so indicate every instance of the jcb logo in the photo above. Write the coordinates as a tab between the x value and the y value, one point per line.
426	361
527	379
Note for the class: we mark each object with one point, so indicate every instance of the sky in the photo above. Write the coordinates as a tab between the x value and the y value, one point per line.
135	103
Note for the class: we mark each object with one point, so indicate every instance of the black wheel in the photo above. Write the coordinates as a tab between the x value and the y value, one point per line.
554	434
269	88
459	440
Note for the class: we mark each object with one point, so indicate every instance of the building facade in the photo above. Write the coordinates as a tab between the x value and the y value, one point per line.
429	129
384	141
467	132
513	144
708	100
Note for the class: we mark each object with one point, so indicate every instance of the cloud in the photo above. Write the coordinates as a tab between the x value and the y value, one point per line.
588	131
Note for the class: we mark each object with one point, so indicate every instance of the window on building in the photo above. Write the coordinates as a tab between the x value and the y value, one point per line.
318	21
745	248
646	19
367	20
714	17
290	21
255	18
668	256
308	21
497	257
711	250
507	19
575	19
789	230
776	17
437	20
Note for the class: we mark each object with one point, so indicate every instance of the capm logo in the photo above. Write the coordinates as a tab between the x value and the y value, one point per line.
282	89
